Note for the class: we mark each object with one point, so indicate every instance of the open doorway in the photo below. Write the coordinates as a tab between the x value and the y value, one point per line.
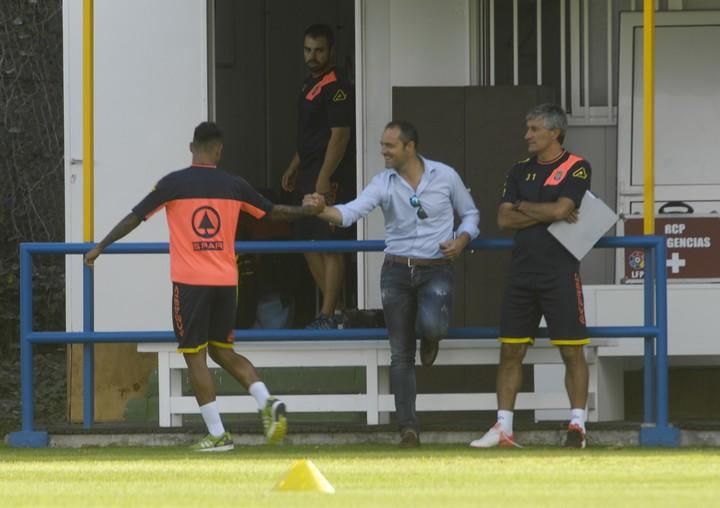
257	71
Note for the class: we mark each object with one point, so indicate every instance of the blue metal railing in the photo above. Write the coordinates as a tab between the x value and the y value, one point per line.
655	430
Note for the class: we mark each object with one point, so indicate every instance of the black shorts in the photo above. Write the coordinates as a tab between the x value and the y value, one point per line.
202	315
342	184
557	296
312	228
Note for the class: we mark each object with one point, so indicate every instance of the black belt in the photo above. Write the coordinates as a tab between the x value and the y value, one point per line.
402	260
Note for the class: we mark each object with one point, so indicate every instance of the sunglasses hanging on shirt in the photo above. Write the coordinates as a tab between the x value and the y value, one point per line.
415	203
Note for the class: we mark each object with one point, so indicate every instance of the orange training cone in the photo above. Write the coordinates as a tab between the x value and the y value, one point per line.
304	476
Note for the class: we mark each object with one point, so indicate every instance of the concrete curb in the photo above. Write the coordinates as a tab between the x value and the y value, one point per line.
601	438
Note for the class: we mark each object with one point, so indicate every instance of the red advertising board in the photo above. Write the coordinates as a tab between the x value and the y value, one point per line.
693	247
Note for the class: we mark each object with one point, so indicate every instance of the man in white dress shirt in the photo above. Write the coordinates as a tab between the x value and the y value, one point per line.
418	198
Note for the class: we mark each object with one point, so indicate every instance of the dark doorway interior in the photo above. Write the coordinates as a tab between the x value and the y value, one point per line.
258	72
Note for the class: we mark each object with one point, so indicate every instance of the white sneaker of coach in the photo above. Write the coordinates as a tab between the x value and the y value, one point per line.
495	437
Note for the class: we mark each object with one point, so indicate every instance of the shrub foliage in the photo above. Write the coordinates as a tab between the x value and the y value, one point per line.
31	159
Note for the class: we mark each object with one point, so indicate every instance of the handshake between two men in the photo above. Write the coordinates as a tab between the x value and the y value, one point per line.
315	201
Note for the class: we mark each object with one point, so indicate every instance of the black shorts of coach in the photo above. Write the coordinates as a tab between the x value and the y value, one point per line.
530	296
203	315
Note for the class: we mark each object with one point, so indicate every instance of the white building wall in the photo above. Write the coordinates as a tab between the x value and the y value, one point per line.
429	43
150	91
700	5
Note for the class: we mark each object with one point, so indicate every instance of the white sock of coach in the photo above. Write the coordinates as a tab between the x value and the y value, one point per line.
577	416
505	419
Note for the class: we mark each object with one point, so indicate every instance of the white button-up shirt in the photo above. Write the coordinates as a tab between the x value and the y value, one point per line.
440	191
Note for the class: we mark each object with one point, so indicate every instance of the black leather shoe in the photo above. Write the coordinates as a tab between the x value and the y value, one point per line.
409	438
428	351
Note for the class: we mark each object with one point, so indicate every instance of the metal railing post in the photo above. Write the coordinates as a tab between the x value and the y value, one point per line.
26	347
88	348
649	340
661	386
27	437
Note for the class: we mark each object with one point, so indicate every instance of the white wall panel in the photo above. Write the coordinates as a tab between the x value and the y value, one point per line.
688	332
430	42
150	92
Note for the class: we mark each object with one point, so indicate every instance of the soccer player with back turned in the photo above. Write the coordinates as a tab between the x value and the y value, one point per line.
202	205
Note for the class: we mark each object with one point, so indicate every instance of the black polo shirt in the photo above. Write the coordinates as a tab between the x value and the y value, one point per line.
568	176
325	101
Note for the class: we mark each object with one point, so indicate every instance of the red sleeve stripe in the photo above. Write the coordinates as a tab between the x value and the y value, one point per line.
330	77
561	171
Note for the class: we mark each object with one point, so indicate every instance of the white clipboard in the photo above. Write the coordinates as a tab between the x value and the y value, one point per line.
594	220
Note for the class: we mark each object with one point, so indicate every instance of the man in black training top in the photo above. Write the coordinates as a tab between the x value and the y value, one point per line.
544	277
324	161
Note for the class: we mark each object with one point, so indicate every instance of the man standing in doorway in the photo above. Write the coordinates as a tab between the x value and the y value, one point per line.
419	198
323	162
202	205
544	277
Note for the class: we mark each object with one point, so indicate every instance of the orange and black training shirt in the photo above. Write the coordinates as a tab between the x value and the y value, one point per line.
202	205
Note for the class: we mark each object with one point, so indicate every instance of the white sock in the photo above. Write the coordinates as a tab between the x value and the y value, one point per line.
577	416
211	415
260	392
505	419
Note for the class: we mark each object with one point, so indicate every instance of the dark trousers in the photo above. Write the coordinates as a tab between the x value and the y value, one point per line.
417	304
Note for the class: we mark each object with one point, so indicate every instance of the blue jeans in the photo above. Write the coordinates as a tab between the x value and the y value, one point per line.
417	304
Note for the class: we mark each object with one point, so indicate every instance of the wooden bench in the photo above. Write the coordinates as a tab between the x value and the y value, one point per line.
374	356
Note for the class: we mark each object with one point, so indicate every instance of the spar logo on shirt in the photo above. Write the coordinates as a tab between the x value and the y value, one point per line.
206	225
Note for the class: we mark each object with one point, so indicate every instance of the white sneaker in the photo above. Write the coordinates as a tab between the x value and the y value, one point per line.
495	437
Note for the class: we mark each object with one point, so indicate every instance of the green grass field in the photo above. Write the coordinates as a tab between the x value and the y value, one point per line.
366	476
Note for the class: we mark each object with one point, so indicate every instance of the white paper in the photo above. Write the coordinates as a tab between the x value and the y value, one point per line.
594	220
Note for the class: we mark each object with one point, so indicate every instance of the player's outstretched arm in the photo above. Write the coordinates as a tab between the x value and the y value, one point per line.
123	228
285	212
